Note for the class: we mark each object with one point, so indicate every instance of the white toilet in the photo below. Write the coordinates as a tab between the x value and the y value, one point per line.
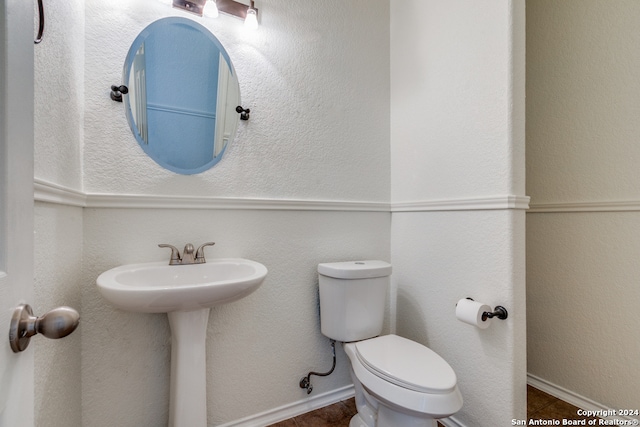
398	382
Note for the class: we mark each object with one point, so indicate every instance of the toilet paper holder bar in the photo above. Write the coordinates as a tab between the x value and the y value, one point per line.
499	311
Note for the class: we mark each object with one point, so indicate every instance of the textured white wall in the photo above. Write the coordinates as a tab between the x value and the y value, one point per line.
315	76
441	257
457	133
452	100
58	272
59	95
58	128
319	131
582	146
258	348
317	82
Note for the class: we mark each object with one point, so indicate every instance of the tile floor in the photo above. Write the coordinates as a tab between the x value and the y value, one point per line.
540	405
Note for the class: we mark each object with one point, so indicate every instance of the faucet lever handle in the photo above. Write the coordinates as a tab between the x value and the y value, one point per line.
175	254
200	252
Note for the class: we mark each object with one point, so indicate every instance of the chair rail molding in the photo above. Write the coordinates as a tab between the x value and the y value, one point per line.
470	204
45	191
591	206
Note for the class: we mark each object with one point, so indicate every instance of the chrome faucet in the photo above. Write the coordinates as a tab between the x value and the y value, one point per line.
187	254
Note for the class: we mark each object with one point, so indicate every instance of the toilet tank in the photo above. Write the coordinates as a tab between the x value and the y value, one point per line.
353	295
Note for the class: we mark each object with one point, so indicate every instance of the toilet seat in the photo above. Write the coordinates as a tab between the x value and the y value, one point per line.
407	364
407	400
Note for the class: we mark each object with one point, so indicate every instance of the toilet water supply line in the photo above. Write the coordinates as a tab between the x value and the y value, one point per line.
305	382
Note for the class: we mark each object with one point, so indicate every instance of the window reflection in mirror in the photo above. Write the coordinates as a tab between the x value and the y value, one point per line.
183	92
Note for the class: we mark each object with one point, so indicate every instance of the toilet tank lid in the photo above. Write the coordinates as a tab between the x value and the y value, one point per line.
355	269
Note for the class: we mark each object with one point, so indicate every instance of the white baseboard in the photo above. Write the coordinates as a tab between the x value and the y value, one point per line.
572	398
303	406
291	410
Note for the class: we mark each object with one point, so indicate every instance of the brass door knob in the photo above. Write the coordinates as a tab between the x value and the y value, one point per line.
57	323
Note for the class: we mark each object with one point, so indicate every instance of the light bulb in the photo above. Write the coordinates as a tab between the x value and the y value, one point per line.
251	21
211	9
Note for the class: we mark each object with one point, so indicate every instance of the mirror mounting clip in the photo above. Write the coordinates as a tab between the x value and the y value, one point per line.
244	113
118	91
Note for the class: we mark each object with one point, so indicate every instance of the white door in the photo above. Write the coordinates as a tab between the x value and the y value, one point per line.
16	204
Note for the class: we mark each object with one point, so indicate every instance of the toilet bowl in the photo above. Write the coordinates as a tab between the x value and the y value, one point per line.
413	385
397	382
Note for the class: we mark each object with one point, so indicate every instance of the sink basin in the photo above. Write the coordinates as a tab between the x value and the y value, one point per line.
157	287
186	293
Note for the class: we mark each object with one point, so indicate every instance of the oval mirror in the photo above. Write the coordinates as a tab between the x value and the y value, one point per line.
183	93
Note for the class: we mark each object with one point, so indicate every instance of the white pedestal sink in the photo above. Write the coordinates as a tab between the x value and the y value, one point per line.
186	293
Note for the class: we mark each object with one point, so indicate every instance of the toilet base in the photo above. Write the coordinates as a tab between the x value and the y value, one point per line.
388	417
356	421
373	413
394	420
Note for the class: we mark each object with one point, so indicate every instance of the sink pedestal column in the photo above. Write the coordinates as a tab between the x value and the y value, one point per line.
188	406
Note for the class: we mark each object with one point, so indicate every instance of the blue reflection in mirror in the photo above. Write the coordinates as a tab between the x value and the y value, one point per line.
183	91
